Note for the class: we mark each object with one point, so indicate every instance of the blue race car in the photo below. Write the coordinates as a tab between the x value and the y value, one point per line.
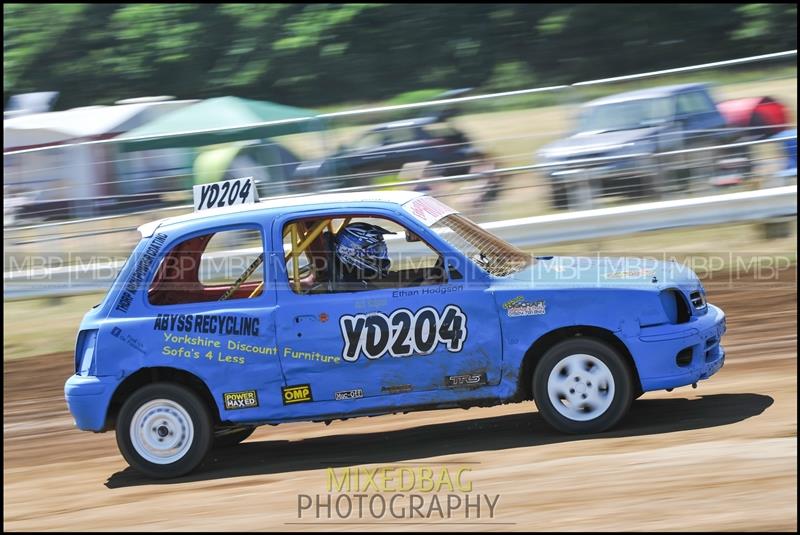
334	306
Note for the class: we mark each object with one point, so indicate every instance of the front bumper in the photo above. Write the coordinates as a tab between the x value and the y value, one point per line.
655	351
88	398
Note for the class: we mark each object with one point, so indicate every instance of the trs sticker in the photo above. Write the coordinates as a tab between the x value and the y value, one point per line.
296	394
471	379
520	307
349	394
240	400
403	333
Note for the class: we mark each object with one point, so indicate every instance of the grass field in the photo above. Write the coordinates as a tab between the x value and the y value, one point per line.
41	326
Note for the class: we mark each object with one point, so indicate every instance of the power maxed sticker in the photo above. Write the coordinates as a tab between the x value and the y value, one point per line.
240	400
403	333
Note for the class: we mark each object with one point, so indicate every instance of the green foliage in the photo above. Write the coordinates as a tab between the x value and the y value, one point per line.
410	97
324	54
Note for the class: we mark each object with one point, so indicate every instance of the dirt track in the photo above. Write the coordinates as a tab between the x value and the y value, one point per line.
722	457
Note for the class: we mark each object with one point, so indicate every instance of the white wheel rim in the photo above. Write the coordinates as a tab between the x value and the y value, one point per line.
580	387
161	431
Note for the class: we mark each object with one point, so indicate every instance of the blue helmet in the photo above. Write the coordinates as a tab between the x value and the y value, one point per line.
360	247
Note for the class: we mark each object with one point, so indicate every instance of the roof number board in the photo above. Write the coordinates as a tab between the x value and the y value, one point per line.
226	193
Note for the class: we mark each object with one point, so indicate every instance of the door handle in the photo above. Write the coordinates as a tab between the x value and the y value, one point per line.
305	317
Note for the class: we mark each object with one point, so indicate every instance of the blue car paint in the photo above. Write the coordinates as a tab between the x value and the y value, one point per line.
300	336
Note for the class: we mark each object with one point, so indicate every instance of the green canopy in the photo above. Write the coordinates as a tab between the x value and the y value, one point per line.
219	120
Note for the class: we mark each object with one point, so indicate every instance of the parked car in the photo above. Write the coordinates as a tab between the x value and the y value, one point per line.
618	145
389	146
179	358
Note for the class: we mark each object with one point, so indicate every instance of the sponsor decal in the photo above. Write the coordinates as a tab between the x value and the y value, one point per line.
470	379
637	273
433	290
362	304
128	339
396	389
207	324
240	400
520	307
296	394
403	333
349	394
316	356
139	272
428	209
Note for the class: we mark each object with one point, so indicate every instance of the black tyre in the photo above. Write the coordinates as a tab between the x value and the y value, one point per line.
164	430
227	437
582	385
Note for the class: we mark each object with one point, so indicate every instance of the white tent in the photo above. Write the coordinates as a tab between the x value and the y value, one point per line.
54	171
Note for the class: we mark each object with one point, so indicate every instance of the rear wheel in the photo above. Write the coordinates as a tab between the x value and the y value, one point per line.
582	385
164	430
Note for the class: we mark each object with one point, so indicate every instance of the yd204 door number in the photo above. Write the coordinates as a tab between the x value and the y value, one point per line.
402	333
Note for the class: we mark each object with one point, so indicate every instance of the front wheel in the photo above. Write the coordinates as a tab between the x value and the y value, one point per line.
582	385
164	430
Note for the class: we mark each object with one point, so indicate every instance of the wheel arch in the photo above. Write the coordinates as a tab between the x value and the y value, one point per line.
540	346
158	374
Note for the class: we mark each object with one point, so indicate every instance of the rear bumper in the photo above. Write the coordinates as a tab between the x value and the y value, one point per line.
655	351
88	398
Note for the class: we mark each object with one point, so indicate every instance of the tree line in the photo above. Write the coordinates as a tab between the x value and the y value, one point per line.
327	54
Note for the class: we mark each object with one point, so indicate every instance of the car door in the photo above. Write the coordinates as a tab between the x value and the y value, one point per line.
210	311
388	340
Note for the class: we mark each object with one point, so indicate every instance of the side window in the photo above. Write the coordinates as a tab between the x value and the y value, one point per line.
219	266
693	103
358	253
368	141
401	135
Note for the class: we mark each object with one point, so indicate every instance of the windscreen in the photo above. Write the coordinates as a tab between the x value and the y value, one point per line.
492	254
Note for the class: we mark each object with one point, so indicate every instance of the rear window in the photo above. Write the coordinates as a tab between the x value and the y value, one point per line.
217	266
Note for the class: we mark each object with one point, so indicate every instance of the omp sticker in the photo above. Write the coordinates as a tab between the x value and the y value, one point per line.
349	394
240	400
403	333
428	209
296	394
471	379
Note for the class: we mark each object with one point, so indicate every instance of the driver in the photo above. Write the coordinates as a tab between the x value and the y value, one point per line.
360	257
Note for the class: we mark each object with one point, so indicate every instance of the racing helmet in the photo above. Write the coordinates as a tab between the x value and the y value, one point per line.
361	249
